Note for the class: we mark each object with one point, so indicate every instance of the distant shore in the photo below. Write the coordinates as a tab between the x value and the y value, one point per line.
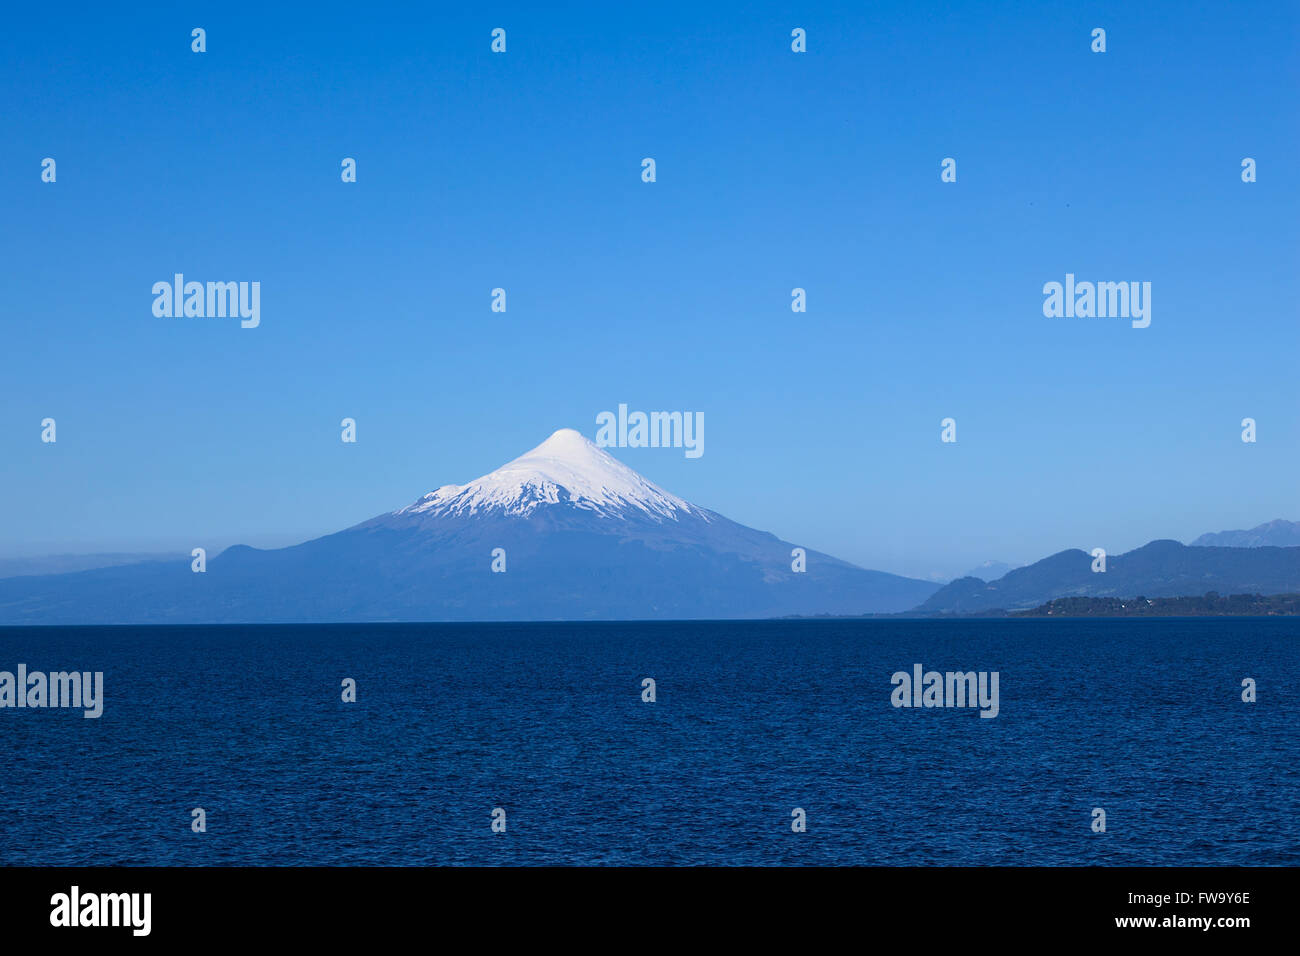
1211	604
1207	605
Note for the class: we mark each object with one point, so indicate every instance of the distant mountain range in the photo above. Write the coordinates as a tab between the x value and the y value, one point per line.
990	570
580	535
1275	534
1158	569
64	563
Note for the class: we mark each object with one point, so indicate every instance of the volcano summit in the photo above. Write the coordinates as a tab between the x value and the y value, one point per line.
581	536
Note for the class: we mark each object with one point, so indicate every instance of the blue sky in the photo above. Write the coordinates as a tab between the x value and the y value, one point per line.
775	170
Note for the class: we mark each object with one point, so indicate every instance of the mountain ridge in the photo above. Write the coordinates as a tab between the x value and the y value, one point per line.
580	536
1277	533
1159	569
566	531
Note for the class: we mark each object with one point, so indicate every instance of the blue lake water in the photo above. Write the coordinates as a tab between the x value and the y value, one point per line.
1142	718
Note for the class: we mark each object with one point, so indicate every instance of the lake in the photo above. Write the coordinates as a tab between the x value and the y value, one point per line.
1141	718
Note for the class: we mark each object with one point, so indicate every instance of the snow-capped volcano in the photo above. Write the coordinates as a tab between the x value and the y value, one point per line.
568	469
564	532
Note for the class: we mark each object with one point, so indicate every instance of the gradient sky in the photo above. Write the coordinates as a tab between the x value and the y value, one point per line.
775	170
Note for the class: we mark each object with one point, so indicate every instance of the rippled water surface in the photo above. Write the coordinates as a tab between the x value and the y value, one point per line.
1143	718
